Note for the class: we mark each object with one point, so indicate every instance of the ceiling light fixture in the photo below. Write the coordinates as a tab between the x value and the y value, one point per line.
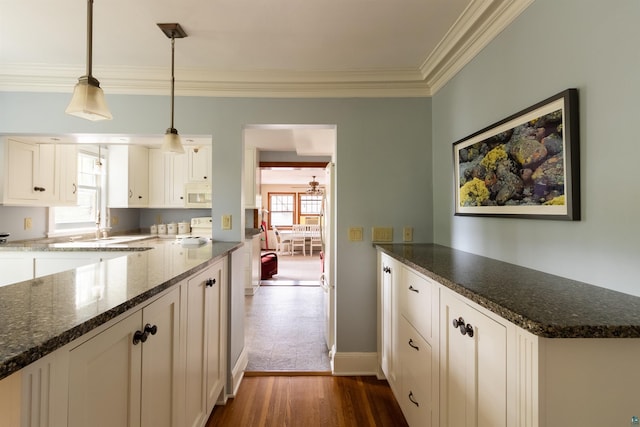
88	101
171	143
313	188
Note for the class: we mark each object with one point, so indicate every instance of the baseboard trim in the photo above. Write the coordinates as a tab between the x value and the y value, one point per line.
237	373
355	363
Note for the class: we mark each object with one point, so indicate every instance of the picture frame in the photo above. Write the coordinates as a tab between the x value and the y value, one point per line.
524	166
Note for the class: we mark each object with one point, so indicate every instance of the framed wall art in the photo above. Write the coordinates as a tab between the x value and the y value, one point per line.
525	166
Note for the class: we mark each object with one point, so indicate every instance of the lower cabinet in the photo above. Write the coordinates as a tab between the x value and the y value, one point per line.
128	374
473	361
205	324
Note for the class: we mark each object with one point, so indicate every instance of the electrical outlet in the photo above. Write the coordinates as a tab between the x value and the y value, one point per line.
115	220
28	223
355	234
158	219
226	222
382	234
407	234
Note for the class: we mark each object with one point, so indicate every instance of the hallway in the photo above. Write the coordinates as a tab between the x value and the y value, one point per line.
284	321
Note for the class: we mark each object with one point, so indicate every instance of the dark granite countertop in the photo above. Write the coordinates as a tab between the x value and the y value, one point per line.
41	315
543	304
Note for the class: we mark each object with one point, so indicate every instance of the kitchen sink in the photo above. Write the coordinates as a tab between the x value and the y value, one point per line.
105	241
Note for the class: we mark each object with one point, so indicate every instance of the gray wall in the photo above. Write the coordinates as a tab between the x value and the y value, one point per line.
554	45
383	169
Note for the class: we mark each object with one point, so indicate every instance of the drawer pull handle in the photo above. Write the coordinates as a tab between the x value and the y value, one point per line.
412	345
413	400
411	288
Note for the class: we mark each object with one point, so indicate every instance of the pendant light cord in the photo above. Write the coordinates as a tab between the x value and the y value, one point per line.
89	37
173	42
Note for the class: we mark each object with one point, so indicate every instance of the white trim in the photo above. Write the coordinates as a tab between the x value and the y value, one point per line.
237	373
480	23
355	363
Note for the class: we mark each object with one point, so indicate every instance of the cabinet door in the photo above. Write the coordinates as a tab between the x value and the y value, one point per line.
104	378
67	174
160	358
22	166
195	403
47	175
216	315
138	176
177	174
474	367
157	179
200	164
388	271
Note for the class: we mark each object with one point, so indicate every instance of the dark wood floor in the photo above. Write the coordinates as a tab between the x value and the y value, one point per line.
310	401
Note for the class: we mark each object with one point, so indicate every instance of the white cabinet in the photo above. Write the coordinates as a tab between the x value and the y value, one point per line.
128	374
252	195
167	176
474	366
29	173
199	164
67	173
388	272
128	186
205	326
253	268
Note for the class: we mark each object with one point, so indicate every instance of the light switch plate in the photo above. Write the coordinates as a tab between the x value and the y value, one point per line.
226	222
355	234
382	234
407	234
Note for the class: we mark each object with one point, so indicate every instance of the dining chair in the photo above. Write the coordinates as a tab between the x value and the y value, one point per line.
316	239
298	238
281	241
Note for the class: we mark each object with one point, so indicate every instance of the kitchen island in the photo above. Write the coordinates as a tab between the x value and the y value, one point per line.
470	340
38	316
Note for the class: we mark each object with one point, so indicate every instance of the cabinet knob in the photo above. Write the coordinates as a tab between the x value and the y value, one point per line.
210	282
151	329
465	328
139	336
386	269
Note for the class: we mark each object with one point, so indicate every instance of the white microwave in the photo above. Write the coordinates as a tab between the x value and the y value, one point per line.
197	195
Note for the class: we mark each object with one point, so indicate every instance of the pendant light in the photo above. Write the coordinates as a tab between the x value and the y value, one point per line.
313	189
88	98
171	143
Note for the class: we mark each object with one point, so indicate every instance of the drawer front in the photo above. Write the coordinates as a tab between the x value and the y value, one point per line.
416	299
416	377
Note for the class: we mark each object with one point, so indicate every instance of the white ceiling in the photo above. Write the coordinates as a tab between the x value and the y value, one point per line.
249	47
276	48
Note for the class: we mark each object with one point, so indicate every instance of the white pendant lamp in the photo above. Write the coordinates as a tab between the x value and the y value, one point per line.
88	98
171	143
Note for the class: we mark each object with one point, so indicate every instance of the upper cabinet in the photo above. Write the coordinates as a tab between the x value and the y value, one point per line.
199	164
252	195
128	186
38	174
167	176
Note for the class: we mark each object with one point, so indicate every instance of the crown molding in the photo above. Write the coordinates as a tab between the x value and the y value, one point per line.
476	27
480	23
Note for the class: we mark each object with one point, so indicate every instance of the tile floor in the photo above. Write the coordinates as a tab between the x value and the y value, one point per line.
284	329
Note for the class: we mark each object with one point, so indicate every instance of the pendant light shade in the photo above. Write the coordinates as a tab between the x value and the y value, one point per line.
172	143
88	98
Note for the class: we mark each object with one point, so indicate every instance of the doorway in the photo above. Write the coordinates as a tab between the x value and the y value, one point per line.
286	320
